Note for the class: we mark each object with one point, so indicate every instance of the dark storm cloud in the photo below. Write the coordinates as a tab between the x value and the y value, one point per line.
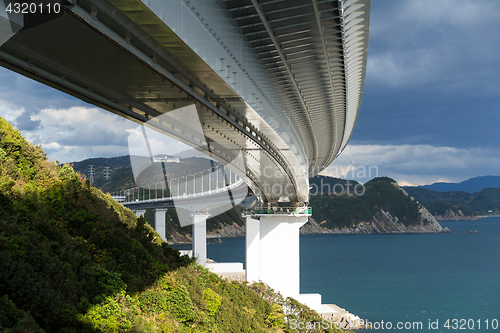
24	121
432	74
24	93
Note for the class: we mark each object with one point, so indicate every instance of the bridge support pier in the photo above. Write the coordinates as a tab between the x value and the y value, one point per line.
272	251
200	237
140	212
160	222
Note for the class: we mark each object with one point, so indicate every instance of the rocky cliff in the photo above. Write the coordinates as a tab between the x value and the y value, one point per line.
224	230
382	222
450	215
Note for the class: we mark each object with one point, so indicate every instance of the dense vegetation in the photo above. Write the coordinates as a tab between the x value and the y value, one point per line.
348	210
438	203
73	260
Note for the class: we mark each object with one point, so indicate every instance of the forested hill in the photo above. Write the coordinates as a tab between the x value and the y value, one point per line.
73	260
456	204
379	206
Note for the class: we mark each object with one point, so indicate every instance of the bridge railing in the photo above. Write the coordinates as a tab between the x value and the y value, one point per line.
209	181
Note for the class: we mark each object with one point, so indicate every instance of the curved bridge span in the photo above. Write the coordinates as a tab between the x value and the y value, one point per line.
279	81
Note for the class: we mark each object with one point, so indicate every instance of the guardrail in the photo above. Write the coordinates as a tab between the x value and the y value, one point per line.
281	210
209	181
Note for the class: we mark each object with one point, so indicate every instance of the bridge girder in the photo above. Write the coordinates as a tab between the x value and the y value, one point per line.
122	56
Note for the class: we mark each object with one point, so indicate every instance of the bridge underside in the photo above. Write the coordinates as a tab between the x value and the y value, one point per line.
314	52
283	95
111	62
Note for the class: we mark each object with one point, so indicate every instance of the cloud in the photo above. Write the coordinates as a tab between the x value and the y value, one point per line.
9	111
20	92
25	122
158	143
432	75
81	126
414	164
405	69
413	42
75	133
66	154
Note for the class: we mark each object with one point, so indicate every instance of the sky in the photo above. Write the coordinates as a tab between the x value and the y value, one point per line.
430	109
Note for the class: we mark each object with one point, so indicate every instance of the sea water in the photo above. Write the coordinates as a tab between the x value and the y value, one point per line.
418	282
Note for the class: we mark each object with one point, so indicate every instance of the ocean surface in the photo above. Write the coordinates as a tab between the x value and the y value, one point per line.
446	282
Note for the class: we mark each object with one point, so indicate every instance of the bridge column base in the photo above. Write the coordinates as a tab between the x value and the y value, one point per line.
272	251
160	222
200	238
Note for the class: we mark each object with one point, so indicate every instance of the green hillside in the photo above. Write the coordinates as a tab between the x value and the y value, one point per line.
348	210
484	202
439	203
73	260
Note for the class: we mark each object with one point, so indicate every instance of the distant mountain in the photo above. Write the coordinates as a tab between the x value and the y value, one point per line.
458	205
470	185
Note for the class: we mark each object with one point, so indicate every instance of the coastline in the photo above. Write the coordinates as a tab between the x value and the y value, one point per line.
483	216
382	223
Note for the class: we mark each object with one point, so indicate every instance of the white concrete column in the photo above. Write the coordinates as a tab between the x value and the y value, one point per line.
279	255
140	212
252	243
200	238
160	222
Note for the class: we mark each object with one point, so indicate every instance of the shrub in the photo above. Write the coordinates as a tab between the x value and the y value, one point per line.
213	301
109	316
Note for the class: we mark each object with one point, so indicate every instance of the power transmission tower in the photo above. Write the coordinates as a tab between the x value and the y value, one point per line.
107	172
91	174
